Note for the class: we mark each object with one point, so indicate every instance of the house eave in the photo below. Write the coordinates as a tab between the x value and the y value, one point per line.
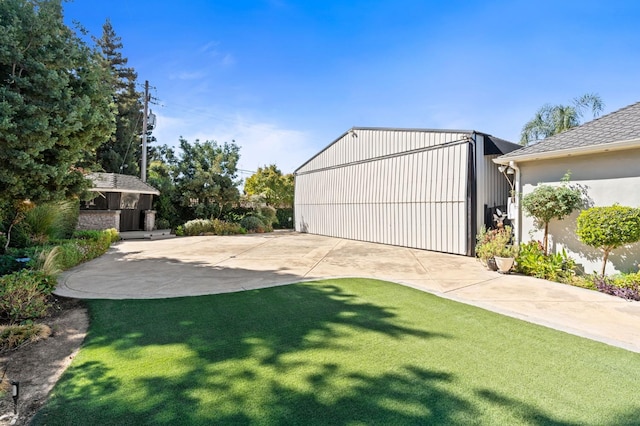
571	152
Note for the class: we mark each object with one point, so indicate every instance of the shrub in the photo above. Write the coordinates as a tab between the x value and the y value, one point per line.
24	295
221	227
285	218
111	235
162	224
88	245
70	255
198	227
494	242
114	235
608	228
8	264
14	336
532	261
627	287
268	215
236	214
253	224
49	221
47	261
209	227
87	234
552	202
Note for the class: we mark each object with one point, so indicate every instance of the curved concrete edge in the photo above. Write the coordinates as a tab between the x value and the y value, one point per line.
198	266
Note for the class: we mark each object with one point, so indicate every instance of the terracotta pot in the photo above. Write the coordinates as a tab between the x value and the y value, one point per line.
504	264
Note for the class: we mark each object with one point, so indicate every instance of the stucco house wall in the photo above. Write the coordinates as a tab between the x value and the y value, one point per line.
607	178
603	156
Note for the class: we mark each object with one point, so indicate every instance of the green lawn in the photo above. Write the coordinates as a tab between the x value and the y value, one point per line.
349	351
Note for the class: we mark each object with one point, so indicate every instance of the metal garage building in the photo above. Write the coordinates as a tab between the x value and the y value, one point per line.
419	188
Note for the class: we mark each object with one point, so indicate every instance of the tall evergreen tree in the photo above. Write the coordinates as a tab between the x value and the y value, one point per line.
121	153
55	108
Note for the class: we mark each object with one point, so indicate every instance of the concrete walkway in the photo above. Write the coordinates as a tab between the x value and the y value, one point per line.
191	266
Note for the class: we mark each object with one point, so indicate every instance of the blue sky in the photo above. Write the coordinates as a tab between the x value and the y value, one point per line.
285	78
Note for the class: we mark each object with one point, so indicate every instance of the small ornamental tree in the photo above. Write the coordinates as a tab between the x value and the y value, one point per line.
552	202
608	228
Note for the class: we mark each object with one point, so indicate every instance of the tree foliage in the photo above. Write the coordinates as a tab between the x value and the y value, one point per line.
55	107
608	228
547	202
553	119
205	176
160	176
269	183
120	153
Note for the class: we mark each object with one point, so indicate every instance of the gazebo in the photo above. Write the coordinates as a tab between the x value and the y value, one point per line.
122	202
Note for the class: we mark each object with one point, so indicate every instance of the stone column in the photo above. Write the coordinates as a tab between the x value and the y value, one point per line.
149	220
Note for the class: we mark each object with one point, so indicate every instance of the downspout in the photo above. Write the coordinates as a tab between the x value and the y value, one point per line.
517	233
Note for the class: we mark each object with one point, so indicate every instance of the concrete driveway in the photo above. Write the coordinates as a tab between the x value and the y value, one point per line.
190	266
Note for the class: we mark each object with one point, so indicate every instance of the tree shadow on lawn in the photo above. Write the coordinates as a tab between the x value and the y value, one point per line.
282	355
530	415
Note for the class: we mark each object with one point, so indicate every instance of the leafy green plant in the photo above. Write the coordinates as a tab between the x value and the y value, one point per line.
552	202
70	255
111	235
87	234
24	295
608	228
48	221
88	245
626	286
494	242
221	227
532	261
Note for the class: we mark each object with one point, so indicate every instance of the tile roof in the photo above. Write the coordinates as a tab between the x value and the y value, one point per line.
114	182
618	126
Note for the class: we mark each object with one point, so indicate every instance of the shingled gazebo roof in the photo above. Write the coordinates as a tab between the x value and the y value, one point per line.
114	182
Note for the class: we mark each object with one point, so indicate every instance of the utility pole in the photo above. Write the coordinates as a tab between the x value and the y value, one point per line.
143	166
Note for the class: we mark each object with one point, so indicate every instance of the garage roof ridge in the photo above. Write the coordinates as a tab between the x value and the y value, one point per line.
412	129
398	129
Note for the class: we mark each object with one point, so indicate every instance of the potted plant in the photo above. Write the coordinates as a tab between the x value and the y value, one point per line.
504	258
493	246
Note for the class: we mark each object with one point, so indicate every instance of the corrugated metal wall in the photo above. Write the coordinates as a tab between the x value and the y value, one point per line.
492	189
399	187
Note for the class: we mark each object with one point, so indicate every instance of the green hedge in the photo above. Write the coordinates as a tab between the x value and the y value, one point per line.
283	216
209	227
